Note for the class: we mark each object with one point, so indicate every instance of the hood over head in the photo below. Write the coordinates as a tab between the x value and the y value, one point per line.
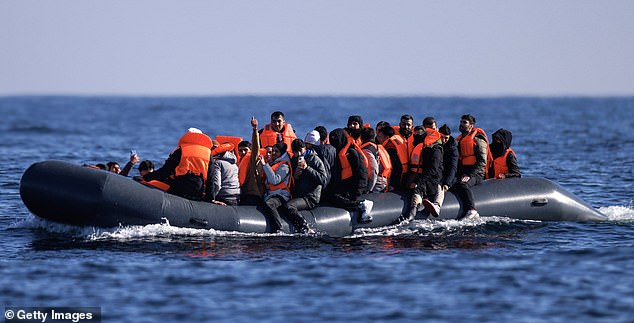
338	138
501	141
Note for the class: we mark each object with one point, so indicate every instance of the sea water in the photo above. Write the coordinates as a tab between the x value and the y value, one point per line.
490	270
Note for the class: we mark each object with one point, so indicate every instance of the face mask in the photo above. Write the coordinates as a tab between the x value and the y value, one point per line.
355	133
497	149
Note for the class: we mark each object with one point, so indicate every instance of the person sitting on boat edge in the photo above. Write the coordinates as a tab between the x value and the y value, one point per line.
449	162
277	131
277	184
473	148
224	184
309	176
425	173
349	178
187	169
504	160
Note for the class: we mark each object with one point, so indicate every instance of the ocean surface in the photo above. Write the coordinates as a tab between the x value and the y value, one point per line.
492	270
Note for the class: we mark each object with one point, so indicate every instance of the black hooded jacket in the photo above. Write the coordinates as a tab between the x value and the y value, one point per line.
501	141
355	185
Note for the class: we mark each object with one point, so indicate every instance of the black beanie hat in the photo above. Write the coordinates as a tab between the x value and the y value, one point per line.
358	119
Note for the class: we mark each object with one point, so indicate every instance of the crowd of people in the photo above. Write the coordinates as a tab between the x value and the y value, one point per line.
284	174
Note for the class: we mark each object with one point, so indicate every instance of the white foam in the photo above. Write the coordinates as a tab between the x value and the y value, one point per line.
433	225
618	213
161	230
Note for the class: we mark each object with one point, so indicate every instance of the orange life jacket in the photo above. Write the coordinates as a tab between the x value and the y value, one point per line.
195	155
222	148
384	159
346	169
409	141
466	149
243	168
156	184
401	149
285	184
235	141
415	157
268	137
499	164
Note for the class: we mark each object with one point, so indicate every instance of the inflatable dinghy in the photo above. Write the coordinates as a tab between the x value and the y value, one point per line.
72	194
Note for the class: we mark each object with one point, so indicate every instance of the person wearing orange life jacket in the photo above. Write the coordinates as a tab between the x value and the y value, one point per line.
473	148
397	150
379	164
425	172
251	174
187	169
504	160
277	184
277	131
349	178
244	147
225	186
405	129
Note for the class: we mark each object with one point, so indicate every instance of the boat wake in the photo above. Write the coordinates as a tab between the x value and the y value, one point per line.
428	228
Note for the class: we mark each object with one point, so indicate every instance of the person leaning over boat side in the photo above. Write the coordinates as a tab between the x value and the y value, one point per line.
349	177
397	150
277	131
250	172
309	176
187	169
277	184
472	164
224	185
504	160
449	162
325	151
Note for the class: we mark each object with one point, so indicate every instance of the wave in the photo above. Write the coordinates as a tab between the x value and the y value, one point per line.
427	227
618	213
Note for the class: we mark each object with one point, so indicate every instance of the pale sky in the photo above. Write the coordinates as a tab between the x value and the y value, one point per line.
297	47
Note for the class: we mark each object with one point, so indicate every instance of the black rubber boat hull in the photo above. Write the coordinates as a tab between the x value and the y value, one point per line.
68	193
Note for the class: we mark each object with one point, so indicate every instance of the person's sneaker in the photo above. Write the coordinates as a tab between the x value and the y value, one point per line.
366	207
431	208
471	215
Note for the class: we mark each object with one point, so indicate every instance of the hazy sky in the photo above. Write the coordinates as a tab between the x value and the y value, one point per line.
317	47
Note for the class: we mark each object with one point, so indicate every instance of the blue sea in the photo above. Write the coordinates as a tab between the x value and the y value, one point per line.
491	270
